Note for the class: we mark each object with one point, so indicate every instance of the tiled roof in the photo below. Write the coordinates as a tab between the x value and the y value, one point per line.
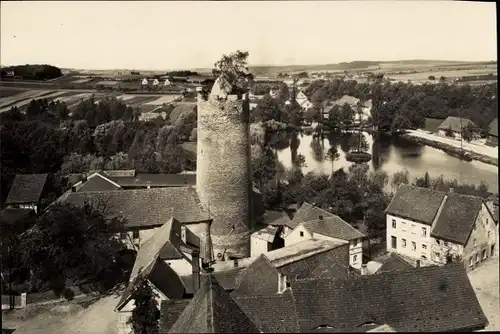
260	278
98	182
415	203
394	262
457	218
330	263
156	180
147	207
350	100
437	298
493	128
212	310
454	123
162	276
170	311
26	188
334	227
161	246
271	314
267	233
278	218
228	279
309	212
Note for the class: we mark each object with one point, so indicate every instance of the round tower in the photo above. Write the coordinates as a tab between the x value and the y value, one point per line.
223	171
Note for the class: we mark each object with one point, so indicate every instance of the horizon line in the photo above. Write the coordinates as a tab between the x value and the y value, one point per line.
258	65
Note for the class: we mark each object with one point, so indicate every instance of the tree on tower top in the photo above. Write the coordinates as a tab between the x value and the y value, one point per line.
232	74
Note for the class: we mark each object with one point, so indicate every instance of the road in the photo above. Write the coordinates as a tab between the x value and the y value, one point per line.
484	280
476	147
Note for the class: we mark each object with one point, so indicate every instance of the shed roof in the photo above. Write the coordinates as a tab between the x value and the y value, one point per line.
394	262
267	233
26	188
278	218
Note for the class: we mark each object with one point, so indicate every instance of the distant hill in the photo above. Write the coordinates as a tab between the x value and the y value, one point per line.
360	65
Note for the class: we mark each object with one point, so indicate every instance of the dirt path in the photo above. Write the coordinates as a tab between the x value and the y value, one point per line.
485	281
64	318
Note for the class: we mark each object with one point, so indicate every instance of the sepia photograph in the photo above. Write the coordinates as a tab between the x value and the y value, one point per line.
248	167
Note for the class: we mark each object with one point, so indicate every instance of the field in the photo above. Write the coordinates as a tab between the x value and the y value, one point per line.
163	99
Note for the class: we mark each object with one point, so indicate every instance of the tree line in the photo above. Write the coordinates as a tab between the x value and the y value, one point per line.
108	134
32	72
405	105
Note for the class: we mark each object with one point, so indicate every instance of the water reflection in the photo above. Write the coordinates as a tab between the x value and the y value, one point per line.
388	153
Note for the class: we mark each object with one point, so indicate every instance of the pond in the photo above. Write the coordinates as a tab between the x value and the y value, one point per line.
389	153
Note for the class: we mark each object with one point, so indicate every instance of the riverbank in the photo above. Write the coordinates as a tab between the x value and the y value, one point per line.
455	150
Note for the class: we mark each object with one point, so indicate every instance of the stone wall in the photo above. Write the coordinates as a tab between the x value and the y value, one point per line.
224	172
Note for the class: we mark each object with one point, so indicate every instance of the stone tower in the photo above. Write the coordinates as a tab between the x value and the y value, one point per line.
223	171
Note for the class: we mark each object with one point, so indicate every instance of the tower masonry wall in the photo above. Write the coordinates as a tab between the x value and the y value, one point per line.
224	172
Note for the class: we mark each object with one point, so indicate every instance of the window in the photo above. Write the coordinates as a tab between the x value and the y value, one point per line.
394	242
394	223
489	234
354	259
135	234
301	233
437	255
487	221
403	244
413	245
477	258
424	246
492	250
424	231
445	244
484	255
423	257
471	261
412	228
474	242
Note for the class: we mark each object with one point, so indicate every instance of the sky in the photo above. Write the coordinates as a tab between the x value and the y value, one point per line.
190	34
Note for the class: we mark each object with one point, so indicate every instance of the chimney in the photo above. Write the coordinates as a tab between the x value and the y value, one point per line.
73	189
183	233
195	256
418	264
363	270
148	184
320	217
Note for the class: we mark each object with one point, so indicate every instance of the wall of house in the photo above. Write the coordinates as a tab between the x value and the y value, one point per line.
355	247
407	232
483	237
126	312
182	266
492	140
300	233
258	246
441	249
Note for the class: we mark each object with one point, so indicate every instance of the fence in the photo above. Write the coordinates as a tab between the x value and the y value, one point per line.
38	298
